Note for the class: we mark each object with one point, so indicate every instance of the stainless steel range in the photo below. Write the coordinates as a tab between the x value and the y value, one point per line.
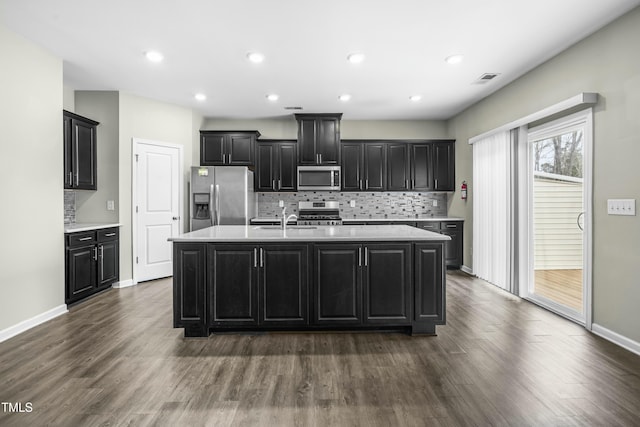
319	213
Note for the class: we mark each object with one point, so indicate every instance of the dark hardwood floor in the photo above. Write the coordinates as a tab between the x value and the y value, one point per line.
116	360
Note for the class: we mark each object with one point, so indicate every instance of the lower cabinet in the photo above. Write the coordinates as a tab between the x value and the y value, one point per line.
308	286
92	262
453	247
257	285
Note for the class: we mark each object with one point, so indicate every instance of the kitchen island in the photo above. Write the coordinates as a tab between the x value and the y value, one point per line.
349	277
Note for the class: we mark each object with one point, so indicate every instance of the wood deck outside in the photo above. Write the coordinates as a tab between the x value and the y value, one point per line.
561	286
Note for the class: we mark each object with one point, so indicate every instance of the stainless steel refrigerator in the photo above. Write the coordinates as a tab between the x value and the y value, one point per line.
221	195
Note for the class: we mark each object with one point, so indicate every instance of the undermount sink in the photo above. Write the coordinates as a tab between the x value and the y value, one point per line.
277	227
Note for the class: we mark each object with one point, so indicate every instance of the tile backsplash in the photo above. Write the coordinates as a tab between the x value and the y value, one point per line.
367	204
69	206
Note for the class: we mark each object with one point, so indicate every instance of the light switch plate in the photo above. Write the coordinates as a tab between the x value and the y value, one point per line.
435	203
352	203
281	203
621	207
110	205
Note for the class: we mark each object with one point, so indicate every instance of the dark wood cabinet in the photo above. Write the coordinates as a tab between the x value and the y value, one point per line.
251	285
318	139
362	284
80	148
453	247
283	285
233	292
421	159
421	166
363	166
308	286
429	303
444	166
338	284
387	283
189	280
398	167
227	148
92	262
276	166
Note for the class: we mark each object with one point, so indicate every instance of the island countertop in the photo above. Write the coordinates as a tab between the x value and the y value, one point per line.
341	233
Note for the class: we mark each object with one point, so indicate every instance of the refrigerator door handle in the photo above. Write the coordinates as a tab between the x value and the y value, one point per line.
217	205
211	204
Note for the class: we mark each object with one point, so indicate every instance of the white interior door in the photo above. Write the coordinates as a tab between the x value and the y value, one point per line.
157	206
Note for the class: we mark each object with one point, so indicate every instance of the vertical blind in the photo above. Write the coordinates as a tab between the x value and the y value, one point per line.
492	209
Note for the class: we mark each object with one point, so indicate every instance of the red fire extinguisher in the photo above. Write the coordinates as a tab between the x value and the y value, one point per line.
463	190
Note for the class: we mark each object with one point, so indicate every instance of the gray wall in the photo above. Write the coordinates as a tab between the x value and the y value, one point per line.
103	107
31	187
606	62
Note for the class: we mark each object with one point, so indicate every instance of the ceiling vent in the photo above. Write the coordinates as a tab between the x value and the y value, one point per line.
486	77
293	108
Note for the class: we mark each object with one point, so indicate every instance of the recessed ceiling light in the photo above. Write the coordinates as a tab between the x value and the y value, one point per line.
355	58
454	59
255	57
154	56
345	97
200	96
272	97
415	98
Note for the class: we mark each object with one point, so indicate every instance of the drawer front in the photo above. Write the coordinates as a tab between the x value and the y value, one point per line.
108	234
81	239
450	225
430	225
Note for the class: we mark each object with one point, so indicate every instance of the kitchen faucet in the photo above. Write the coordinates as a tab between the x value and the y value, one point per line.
285	219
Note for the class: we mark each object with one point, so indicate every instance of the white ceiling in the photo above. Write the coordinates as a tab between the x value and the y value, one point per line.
306	43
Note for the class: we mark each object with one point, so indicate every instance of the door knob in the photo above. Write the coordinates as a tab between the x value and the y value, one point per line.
175	218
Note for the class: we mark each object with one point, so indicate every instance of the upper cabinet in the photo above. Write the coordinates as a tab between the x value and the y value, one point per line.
318	139
444	166
79	152
276	166
228	148
363	166
427	165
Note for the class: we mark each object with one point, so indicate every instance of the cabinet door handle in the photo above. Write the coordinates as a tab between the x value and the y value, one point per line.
413	183
101	251
261	258
366	184
255	257
359	257
113	234
279	184
452	226
406	183
70	178
84	239
436	185
320	155
95	253
273	185
77	159
229	158
366	256
361	184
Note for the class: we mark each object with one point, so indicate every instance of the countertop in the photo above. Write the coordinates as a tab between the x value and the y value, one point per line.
341	233
88	226
271	219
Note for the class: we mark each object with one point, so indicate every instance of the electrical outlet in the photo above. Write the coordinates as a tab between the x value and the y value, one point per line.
352	203
110	205
435	203
281	203
621	207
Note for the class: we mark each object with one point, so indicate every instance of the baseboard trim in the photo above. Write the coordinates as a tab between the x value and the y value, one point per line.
466	270
124	284
25	325
616	338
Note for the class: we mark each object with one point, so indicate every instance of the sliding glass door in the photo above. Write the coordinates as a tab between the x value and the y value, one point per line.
558	206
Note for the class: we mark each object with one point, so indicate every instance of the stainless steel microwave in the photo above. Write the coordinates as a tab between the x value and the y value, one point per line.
323	178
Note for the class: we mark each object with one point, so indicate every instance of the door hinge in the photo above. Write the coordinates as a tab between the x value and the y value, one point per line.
136	209
136	260
136	157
